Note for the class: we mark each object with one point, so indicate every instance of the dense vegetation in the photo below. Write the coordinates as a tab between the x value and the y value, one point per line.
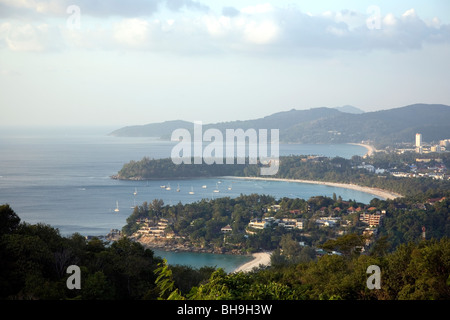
384	127
199	224
165	168
415	271
35	258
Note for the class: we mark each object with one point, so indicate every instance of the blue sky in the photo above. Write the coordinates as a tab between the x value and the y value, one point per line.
117	63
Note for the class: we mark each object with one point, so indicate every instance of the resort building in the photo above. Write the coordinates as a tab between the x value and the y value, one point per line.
291	223
258	224
226	229
372	219
158	230
328	221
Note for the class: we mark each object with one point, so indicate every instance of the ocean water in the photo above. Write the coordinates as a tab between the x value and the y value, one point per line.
227	262
61	177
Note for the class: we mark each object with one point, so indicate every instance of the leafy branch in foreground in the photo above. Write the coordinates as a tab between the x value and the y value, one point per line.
165	283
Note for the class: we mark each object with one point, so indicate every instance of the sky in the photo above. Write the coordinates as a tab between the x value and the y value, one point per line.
119	63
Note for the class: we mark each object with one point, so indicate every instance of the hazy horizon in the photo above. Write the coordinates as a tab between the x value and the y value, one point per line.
109	128
116	64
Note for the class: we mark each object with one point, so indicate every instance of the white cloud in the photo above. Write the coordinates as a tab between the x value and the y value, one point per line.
435	23
100	8
241	29
258	9
336	31
132	32
40	7
263	32
410	13
27	37
261	28
389	20
217	26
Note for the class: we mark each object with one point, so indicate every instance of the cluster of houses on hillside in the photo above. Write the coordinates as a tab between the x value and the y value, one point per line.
370	216
158	229
336	219
422	167
288	223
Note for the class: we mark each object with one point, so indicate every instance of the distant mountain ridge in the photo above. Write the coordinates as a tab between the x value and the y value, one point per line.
329	125
349	109
151	130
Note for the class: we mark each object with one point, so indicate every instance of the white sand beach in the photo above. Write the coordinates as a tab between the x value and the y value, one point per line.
370	149
383	194
259	258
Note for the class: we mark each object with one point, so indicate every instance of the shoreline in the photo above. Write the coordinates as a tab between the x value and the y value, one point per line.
375	191
370	149
259	258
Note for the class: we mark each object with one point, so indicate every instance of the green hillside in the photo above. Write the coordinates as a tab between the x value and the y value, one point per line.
328	125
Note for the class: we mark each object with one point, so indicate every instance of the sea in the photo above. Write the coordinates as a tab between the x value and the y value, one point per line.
62	177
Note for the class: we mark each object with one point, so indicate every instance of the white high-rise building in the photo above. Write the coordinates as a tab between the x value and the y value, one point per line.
418	140
418	143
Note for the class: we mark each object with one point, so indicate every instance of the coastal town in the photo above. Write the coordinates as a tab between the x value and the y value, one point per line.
336	219
320	217
426	161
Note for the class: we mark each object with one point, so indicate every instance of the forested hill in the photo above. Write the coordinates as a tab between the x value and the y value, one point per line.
294	167
329	125
384	127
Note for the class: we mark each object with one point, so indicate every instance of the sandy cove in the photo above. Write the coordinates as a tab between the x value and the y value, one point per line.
370	149
384	194
259	258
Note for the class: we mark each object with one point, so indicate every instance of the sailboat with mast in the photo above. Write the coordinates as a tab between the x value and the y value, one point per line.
134	198
134	203
117	207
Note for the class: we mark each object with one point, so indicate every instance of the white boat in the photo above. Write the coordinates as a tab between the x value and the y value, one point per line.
178	188
217	189
162	187
134	203
204	186
229	188
117	207
168	187
135	191
192	190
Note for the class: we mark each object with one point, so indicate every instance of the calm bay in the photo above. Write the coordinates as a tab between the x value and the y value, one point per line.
61	177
